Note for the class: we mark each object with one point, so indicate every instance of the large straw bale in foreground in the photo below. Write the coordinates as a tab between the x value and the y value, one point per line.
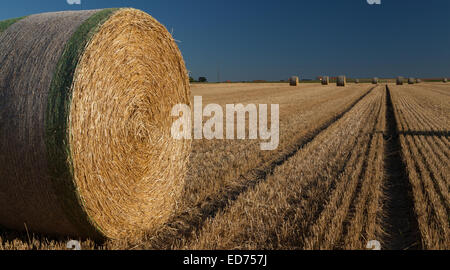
85	145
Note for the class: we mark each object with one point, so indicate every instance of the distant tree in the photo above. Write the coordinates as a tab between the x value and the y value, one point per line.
202	79
191	79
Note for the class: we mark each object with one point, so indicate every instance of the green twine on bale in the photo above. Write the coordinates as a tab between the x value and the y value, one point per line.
56	124
7	23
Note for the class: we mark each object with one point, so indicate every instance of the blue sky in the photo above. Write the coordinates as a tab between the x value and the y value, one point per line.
272	40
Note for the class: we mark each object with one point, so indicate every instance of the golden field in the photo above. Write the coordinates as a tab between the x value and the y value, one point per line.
356	163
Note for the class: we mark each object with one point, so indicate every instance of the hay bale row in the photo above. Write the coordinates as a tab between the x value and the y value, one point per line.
85	145
341	81
400	80
293	81
325	80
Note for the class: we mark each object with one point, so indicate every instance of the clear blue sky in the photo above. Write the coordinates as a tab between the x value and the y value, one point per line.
272	40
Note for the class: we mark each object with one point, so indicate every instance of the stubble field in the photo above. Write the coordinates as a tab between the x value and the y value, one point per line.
354	164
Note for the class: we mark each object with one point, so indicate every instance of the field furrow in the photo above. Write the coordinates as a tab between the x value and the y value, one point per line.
425	148
211	187
364	221
278	212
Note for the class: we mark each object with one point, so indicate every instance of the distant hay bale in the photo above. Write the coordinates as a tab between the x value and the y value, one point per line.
341	81
418	80
325	80
293	81
445	80
411	80
356	81
85	143
400	80
375	80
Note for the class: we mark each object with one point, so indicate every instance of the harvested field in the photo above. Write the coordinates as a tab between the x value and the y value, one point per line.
295	208
423	124
354	164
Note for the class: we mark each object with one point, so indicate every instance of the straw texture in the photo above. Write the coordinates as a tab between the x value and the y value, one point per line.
29	52
7	23
85	142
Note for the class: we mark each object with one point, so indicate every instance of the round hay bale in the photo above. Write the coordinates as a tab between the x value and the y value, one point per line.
325	80
418	80
85	142
294	81
400	80
375	80
341	81
356	81
7	23
445	80
411	80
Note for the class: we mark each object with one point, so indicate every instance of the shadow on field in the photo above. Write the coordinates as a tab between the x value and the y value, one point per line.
400	221
181	227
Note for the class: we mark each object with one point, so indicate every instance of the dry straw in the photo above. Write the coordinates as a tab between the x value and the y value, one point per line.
375	80
85	145
341	81
418	80
400	80
294	81
325	80
411	80
356	81
445	80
